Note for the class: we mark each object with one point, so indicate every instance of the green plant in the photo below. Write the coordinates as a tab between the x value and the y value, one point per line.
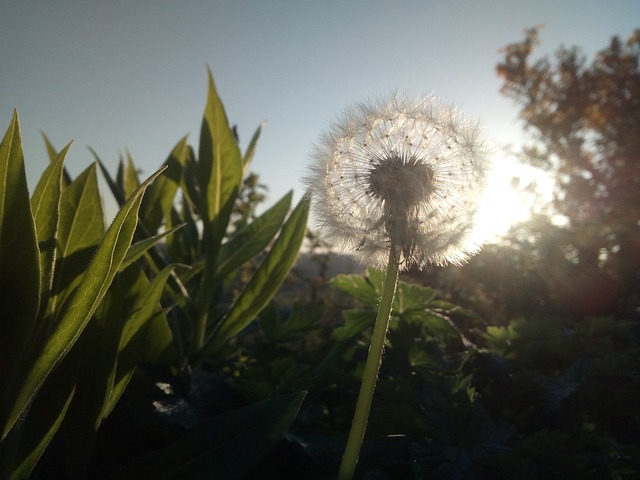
62	278
88	317
538	399
201	194
236	263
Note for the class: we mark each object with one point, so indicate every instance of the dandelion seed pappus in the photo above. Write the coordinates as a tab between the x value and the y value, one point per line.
402	172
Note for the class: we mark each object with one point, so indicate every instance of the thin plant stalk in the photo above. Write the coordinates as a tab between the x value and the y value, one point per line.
371	369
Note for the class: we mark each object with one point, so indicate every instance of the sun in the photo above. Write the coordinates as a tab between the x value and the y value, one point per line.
508	198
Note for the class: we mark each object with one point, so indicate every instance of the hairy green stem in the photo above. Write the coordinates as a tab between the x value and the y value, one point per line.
371	369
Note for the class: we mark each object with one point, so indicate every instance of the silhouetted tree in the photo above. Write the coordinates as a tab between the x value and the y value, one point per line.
586	120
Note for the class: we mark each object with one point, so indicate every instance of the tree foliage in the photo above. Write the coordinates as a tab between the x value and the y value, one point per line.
585	116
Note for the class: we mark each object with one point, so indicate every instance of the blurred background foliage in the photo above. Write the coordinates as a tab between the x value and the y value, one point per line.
524	363
581	254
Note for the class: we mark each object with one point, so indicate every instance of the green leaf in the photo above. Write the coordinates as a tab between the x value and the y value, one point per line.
251	149
410	296
23	447
161	348
267	279
19	255
135	341
184	246
51	151
227	446
158	200
302	319
53	156
80	230
252	239
92	360
28	377
190	185
220	173
358	286
46	209
115	188
356	322
220	180
127	177
138	249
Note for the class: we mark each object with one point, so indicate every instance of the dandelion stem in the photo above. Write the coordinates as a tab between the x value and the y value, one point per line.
371	369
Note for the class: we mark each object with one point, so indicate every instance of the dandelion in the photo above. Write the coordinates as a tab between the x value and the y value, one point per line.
404	172
397	183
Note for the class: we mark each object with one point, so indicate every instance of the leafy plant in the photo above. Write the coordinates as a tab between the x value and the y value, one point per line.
86	313
201	194
537	399
236	263
59	271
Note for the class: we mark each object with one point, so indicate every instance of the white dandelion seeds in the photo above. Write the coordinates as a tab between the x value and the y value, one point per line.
404	173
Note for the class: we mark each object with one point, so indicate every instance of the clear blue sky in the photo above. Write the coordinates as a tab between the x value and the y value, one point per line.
131	75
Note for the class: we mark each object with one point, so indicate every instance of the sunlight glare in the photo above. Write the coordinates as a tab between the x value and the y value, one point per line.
512	192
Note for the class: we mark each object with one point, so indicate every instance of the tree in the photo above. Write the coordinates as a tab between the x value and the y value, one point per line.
585	118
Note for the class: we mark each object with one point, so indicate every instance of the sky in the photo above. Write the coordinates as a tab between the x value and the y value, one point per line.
130	76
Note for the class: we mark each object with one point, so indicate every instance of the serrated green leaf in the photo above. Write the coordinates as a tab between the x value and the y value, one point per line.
158	200
252	239
356	322
46	210
80	229
225	447
410	296
19	255
28	377
358	287
266	280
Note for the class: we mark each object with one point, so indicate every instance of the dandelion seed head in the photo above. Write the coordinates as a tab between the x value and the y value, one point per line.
401	172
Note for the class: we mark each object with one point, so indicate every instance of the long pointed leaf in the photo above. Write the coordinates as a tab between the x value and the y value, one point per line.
220	180
251	149
140	248
80	229
116	191
53	155
92	361
46	209
220	171
96	280
253	238
128	176
135	341
158	200
19	255
266	280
